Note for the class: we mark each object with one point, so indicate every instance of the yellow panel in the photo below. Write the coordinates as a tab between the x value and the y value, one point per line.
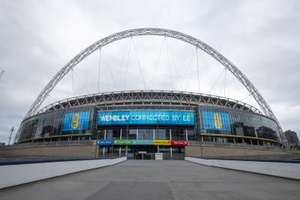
162	142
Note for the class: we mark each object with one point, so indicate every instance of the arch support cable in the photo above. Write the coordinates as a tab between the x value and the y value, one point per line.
198	70
99	70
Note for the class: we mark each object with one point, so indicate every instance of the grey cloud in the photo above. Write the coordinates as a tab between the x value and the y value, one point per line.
39	37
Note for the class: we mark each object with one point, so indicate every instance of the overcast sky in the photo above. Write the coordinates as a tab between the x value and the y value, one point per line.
37	38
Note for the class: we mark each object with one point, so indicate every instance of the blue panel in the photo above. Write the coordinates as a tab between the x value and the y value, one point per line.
76	121
146	117
216	120
105	142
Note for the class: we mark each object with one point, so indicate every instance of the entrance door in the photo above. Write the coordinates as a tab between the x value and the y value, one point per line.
144	152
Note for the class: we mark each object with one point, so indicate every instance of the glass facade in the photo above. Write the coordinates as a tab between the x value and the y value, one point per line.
162	134
235	122
82	123
146	134
58	124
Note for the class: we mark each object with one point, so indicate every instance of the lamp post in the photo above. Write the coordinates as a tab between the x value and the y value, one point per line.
11	132
96	148
201	153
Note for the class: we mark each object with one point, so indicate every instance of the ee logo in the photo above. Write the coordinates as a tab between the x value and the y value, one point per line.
75	121
218	121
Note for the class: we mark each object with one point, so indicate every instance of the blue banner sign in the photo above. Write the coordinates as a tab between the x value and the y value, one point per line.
157	117
76	121
105	142
216	120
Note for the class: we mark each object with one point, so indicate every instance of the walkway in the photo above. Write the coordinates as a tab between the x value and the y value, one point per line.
158	180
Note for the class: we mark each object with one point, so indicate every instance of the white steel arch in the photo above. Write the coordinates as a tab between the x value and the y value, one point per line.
152	31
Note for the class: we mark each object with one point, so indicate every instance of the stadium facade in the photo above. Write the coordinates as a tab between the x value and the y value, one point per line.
144	122
140	123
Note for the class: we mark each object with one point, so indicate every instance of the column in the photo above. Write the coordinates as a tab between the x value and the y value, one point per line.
186	135
171	152
120	149
153	134
103	149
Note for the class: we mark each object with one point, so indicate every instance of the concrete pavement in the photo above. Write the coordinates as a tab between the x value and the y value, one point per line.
158	180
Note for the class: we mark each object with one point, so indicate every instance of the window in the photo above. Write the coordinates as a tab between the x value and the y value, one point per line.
132	134
178	134
161	134
145	134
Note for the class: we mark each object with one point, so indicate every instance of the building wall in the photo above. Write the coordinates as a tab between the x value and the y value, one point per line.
50	150
88	149
213	150
83	123
292	138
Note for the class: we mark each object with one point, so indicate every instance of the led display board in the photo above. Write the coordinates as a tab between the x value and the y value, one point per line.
179	143
76	121
162	142
142	142
122	142
157	117
105	142
213	120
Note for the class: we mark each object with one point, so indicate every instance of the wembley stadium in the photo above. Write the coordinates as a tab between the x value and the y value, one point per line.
140	123
130	122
